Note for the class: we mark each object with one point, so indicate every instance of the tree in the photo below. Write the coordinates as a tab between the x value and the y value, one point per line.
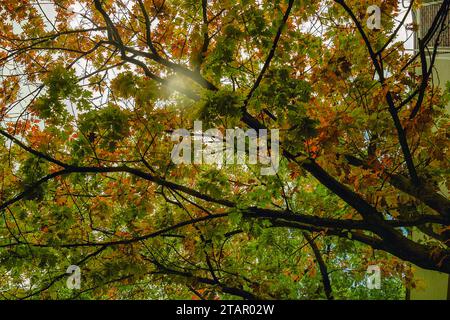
92	90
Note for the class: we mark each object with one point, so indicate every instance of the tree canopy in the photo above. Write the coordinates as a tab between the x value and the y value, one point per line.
91	91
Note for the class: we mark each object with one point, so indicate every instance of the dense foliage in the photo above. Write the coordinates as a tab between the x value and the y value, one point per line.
92	90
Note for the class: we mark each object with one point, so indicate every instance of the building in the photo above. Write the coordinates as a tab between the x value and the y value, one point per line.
434	285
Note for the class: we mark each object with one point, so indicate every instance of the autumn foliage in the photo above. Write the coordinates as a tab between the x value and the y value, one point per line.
91	91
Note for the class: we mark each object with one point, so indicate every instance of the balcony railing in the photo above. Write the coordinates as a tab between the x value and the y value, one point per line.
425	18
